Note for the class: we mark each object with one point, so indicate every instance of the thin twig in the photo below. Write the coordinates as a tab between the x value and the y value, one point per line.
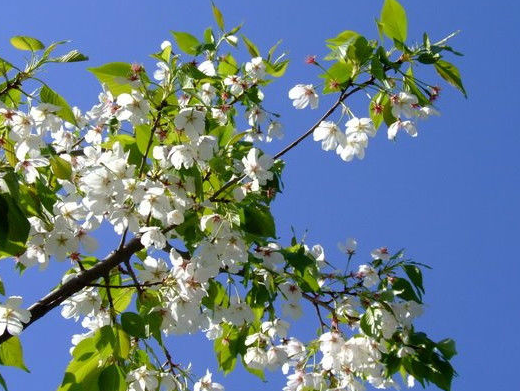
109	298
127	286
138	285
343	95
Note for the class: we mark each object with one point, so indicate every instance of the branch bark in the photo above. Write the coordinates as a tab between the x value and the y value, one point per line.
74	285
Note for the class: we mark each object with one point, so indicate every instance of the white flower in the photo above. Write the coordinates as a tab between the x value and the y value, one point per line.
155	270
255	116
256	167
182	155
292	310
162	73
270	255
142	379
349	247
175	217
380	253
369	275
134	108
44	116
208	92
236	84
207	68
29	167
165	44
274	130
409	126
256	358
303	95
363	125
206	384
152	236
276	356
12	316
425	112
276	327
331	342
329	134
86	303
353	144
256	68
403	103
191	121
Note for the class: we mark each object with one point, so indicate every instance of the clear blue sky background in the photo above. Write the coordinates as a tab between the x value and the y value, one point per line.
450	196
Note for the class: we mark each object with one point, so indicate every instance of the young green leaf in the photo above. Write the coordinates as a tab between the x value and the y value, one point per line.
47	95
115	76
219	18
60	167
186	42
451	74
11	353
393	20
26	43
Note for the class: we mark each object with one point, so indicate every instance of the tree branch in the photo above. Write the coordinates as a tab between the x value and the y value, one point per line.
343	95
75	284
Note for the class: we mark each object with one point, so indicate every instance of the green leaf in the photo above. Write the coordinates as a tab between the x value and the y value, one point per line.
5	66
72	56
112	379
406	290
122	298
11	353
122	342
410	82
115	76
47	95
142	137
447	348
376	69
368	323
359	50
342	38
217	295
258	221
219	18
451	74
133	324
26	43
415	275
186	42
227	65
228	346
393	20
83	371
60	167
338	74
251	47
14	229
278	69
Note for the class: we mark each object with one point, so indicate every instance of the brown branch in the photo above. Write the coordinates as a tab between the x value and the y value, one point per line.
133	276
77	283
145	284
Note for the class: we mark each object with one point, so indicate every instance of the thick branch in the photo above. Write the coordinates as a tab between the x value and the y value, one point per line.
74	285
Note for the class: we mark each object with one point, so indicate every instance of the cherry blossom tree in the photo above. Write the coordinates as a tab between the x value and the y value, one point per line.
164	160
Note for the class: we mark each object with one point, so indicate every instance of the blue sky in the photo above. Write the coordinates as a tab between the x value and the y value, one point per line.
450	196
